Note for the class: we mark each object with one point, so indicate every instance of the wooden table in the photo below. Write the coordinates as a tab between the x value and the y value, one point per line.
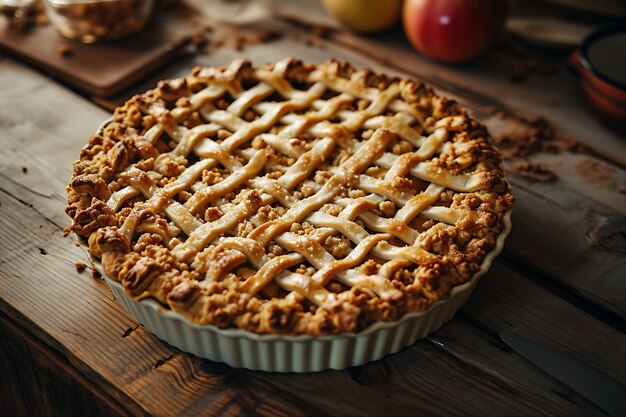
67	347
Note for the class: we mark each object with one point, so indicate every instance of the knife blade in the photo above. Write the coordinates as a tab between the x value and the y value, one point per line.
597	387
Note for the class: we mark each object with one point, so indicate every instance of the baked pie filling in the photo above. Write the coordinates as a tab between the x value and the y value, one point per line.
290	198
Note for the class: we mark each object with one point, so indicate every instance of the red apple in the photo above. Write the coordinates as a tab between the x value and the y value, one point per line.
453	30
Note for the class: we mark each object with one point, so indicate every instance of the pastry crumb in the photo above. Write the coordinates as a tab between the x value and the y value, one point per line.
65	50
323	32
200	40
268	36
95	274
25	170
596	172
80	267
535	172
531	137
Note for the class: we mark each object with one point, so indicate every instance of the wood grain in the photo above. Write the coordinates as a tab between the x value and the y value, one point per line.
38	381
506	301
462	369
554	239
148	371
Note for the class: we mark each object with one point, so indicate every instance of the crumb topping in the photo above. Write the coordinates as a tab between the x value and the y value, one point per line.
290	198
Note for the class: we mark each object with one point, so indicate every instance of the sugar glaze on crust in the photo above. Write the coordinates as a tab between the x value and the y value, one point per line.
290	198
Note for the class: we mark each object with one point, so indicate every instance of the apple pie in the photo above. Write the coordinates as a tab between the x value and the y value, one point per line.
290	198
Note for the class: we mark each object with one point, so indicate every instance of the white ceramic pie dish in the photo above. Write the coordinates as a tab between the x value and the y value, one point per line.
302	353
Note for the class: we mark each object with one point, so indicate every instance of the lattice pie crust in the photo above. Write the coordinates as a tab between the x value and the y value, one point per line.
290	198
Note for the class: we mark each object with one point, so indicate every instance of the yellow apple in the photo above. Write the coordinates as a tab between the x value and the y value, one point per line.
366	16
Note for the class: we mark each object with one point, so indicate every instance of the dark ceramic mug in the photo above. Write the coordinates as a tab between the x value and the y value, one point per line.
601	65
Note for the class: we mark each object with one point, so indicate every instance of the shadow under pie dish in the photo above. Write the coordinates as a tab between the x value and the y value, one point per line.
291	217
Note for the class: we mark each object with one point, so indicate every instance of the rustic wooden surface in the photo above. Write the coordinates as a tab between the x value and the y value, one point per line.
38	381
560	280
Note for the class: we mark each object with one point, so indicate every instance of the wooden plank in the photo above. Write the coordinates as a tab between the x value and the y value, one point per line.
38	381
505	300
149	371
39	264
35	113
574	243
40	287
411	382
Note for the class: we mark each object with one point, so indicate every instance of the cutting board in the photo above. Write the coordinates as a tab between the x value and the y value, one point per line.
100	69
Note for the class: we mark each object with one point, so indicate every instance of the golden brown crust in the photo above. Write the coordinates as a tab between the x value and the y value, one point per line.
290	198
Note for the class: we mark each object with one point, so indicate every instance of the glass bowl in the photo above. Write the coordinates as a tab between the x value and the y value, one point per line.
96	20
